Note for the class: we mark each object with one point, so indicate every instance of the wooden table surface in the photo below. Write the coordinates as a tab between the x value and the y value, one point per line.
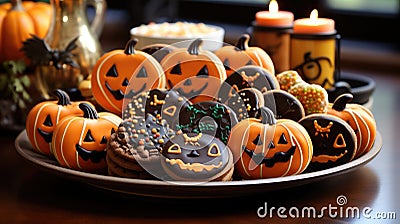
31	195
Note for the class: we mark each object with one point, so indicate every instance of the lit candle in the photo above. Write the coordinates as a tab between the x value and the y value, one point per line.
274	17
314	25
271	31
314	50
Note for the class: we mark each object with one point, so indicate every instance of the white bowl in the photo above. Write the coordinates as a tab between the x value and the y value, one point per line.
211	41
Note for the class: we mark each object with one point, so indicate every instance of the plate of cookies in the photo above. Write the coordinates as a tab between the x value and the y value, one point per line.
189	122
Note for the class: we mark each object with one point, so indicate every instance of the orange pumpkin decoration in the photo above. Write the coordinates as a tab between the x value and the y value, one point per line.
43	118
121	74
241	54
360	119
269	148
193	72
18	20
79	142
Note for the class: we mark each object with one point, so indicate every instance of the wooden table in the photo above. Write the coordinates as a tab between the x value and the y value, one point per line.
30	195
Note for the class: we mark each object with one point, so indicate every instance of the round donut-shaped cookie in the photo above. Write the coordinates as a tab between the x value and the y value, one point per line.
197	157
284	105
208	117
158	51
334	141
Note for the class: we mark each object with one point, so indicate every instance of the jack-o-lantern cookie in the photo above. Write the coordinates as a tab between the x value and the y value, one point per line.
245	102
193	72
80	142
360	119
121	74
269	147
241	54
284	105
133	151
209	117
43	118
334	141
197	157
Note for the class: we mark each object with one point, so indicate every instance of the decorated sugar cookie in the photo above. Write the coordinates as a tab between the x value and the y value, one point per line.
121	74
242	54
360	119
209	117
284	105
334	141
269	147
193	72
197	157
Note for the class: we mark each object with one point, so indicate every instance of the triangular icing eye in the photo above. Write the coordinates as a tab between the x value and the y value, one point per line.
249	62
47	122
103	140
203	72
88	137
176	70
125	82
339	142
282	139
112	72
227	65
214	150
257	141
174	149
142	73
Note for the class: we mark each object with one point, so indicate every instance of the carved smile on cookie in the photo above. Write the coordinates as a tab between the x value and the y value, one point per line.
259	158
93	155
47	136
196	167
119	94
327	158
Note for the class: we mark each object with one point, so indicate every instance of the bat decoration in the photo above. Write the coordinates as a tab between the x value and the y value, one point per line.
38	51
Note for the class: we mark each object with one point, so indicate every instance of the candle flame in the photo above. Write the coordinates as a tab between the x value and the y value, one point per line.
314	15
273	6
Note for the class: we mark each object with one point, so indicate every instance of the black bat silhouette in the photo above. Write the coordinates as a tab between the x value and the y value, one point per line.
37	50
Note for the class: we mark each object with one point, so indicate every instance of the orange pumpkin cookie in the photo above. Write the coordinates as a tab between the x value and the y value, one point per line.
241	54
79	142
43	118
195	73
268	147
121	74
360	119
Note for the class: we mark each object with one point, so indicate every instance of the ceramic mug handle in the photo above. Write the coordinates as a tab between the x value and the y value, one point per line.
100	7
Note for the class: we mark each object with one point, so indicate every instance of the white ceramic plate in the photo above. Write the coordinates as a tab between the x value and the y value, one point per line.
158	188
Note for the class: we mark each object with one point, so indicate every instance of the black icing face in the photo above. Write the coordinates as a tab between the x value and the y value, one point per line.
334	142
195	156
249	76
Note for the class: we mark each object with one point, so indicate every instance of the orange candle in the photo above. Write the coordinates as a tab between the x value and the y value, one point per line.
314	25
274	17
